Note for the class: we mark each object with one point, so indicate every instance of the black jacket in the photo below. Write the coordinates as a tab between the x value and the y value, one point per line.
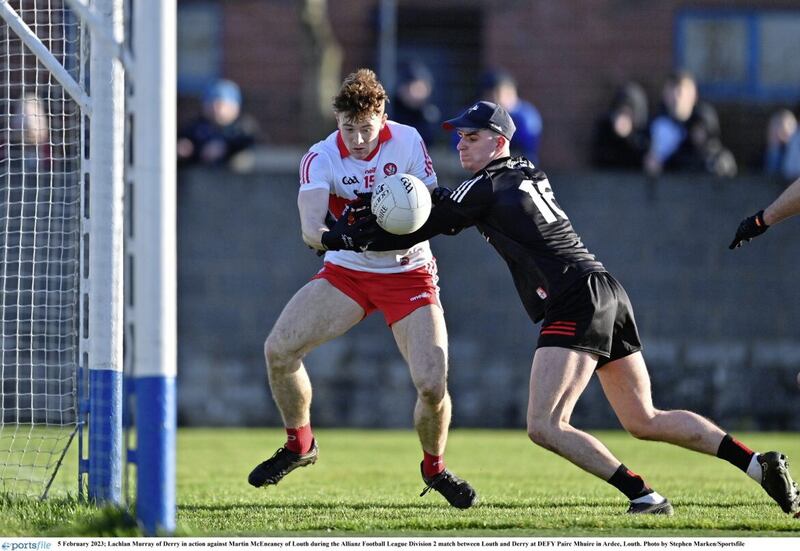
512	204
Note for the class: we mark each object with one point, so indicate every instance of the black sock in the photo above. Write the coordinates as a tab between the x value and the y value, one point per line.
629	483
735	452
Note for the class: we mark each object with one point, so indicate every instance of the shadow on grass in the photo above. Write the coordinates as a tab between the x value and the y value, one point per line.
104	522
356	506
66	516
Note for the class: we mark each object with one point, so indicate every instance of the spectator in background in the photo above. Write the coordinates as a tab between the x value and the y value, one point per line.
412	103
500	87
781	127
685	135
702	150
221	132
669	129
621	137
790	167
29	133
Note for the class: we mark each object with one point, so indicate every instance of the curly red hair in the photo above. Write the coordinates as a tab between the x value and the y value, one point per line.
361	96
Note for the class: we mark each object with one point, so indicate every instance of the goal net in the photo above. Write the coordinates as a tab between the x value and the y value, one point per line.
81	123
41	154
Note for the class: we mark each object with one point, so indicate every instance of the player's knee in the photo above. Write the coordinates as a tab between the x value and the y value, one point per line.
641	428
432	391
278	353
430	378
543	432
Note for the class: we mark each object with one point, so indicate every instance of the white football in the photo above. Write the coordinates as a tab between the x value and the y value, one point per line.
401	203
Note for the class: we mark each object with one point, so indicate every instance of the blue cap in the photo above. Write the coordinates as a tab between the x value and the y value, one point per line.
484	114
223	90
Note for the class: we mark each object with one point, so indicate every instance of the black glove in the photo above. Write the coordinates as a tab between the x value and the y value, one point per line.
363	201
353	231
330	221
358	209
750	227
439	194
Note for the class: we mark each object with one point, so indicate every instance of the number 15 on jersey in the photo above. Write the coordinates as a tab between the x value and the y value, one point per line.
542	196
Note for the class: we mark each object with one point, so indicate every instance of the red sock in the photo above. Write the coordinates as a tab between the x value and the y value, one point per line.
299	440
432	464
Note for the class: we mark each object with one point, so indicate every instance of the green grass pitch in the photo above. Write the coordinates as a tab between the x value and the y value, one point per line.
367	483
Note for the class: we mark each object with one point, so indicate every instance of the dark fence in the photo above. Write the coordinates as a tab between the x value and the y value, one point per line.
39	288
720	327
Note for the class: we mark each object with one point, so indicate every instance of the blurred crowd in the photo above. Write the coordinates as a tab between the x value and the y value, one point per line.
221	134
676	132
684	134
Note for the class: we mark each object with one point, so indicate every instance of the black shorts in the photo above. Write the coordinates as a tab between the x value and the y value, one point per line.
593	315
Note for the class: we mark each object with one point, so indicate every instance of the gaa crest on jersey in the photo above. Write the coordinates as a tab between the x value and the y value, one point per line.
541	292
389	169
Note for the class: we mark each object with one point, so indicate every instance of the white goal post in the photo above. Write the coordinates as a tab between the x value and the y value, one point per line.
87	248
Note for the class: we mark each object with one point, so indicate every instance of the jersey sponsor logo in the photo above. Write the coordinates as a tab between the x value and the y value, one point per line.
389	169
420	296
462	190
350	180
541	292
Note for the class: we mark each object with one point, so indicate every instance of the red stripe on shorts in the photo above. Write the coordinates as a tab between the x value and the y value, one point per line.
557	332
565	328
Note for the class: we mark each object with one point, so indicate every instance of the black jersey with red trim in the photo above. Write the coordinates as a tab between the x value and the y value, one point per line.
511	202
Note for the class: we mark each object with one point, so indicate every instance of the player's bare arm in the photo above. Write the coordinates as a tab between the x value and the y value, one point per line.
786	205
313	206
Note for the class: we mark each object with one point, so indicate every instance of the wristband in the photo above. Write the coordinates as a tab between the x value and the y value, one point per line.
759	218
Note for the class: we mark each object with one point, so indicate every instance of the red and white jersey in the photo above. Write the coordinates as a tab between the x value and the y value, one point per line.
328	165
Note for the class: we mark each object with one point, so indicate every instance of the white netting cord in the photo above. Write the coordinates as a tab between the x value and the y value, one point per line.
39	249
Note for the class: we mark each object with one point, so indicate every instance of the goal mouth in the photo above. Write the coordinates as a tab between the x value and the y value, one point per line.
41	160
70	153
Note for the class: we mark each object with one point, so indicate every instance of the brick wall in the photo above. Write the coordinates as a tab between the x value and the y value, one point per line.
568	56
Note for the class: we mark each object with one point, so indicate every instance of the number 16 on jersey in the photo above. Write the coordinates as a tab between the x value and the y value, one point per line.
542	196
